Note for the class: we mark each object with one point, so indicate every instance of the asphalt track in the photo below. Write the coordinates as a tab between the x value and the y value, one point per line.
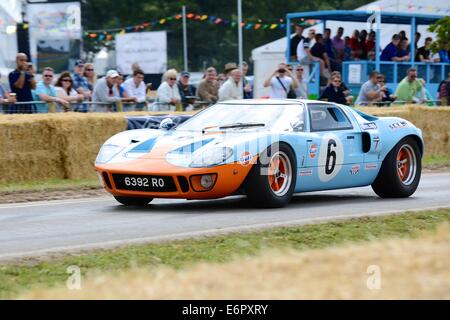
41	228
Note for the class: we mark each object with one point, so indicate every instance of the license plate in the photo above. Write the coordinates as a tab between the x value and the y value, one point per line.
144	183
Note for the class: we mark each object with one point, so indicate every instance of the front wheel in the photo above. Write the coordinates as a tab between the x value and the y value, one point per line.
271	182
400	172
133	201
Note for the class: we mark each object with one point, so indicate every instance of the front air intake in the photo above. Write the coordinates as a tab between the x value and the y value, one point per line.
107	181
184	184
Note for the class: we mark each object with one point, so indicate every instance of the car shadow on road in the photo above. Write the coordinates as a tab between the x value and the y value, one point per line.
240	203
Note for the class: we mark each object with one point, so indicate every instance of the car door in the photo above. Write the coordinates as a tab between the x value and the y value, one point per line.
333	155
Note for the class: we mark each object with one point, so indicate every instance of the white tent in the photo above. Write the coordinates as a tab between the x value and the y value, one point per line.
267	57
9	16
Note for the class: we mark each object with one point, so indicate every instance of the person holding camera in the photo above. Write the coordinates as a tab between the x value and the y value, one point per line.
282	83
21	82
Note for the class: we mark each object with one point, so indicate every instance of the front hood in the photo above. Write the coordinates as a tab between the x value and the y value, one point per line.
179	148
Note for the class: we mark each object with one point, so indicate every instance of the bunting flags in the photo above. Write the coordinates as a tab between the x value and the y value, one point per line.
258	24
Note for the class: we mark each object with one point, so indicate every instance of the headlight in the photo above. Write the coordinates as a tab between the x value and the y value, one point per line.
107	152
211	157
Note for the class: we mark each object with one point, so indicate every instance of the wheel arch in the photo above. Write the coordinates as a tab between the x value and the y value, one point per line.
254	164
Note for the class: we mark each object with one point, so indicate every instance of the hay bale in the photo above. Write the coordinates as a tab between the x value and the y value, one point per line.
46	146
433	121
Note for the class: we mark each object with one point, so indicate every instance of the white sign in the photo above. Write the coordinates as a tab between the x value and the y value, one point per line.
55	20
354	73
148	49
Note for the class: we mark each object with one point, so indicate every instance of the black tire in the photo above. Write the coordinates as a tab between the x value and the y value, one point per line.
133	201
389	182
258	187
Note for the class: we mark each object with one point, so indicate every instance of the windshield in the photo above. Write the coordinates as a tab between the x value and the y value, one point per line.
239	117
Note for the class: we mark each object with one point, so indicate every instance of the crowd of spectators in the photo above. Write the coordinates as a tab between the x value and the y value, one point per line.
81	90
330	51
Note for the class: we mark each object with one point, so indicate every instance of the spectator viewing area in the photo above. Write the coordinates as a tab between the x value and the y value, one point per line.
355	69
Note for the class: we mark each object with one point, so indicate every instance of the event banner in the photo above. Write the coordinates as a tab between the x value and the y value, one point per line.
55	20
149	49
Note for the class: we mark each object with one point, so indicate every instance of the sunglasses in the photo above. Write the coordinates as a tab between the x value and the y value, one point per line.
172	78
89	69
66	80
48	76
299	69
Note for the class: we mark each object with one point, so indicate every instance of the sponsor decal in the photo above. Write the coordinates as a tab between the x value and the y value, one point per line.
313	150
371	166
354	170
306	172
398	125
369	126
376	141
246	158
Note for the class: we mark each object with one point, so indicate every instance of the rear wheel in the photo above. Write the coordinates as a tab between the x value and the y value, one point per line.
133	201
400	172
272	184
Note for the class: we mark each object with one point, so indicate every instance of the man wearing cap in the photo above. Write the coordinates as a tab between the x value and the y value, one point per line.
230	66
187	91
80	82
390	51
107	91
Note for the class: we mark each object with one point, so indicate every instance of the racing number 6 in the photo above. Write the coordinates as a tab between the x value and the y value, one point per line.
330	154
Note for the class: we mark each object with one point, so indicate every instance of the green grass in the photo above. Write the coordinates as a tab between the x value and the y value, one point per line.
433	161
53	184
15	279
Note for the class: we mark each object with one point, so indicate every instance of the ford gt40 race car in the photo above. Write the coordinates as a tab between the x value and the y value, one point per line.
266	149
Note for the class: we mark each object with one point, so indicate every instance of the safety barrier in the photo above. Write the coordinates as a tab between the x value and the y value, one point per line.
91	106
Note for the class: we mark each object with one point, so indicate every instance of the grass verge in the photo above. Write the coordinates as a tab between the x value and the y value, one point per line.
15	279
48	185
436	161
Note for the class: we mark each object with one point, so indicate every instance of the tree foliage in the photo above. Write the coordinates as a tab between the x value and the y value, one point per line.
208	44
442	30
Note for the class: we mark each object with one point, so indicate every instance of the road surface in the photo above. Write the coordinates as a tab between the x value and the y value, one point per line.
40	228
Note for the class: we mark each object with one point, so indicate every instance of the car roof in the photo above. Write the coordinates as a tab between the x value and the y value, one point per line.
270	101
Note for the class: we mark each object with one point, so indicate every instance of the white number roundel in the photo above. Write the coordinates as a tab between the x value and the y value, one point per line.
331	157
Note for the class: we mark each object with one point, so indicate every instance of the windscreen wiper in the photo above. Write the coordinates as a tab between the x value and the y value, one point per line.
242	125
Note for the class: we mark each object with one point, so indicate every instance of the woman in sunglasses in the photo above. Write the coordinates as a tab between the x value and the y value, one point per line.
65	91
90	75
168	96
334	93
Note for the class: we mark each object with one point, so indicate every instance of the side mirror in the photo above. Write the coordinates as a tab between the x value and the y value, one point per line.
167	124
297	125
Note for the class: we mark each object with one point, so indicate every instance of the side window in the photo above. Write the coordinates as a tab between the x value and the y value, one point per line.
328	117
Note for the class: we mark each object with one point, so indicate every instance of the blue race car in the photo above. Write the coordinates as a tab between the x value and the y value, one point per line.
266	149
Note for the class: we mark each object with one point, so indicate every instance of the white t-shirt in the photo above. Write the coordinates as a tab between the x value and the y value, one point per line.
301	53
230	90
276	89
73	93
133	91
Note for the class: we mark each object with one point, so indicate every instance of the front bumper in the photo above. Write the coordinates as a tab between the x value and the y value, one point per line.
229	178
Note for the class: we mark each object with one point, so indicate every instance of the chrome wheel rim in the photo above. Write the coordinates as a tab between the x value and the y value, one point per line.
280	174
406	164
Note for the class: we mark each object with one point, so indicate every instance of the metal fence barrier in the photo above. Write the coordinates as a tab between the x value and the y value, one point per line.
92	106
